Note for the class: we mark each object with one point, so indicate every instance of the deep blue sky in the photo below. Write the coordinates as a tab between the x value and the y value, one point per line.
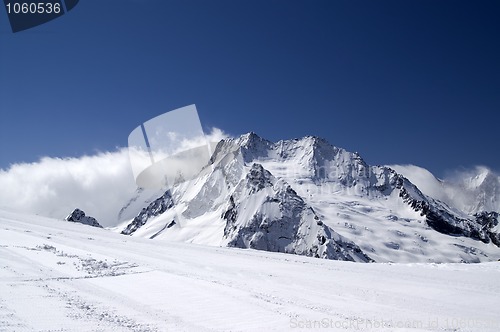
398	81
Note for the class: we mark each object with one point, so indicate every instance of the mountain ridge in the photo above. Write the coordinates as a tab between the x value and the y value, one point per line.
351	198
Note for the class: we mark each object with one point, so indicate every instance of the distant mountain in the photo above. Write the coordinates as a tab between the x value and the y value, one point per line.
307	197
470	191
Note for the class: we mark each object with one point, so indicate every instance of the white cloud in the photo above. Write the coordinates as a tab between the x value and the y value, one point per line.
53	187
178	158
100	185
215	136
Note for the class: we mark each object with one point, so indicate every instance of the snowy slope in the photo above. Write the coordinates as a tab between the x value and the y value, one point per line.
62	276
335	200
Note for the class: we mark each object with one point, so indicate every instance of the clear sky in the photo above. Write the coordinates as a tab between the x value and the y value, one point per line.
398	81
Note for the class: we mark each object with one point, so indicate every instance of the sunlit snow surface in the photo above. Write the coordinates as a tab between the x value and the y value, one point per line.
61	276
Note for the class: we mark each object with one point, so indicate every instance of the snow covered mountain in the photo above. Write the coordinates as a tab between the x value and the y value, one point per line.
307	197
472	191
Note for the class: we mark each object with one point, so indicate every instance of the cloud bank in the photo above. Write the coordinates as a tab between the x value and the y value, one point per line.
100	185
53	187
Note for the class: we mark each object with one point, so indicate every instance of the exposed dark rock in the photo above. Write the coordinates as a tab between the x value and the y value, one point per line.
79	216
159	206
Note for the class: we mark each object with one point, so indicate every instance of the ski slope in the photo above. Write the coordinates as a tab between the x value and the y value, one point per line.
62	276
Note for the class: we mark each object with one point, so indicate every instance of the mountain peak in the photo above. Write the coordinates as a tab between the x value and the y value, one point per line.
250	135
250	138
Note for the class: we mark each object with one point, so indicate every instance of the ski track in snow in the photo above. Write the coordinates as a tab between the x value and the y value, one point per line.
61	276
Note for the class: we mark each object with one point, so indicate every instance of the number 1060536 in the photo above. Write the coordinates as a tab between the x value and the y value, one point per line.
33	8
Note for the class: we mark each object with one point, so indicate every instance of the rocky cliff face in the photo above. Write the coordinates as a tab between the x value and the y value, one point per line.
269	215
154	209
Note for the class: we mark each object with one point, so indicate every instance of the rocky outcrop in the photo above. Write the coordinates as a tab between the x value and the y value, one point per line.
79	216
154	209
